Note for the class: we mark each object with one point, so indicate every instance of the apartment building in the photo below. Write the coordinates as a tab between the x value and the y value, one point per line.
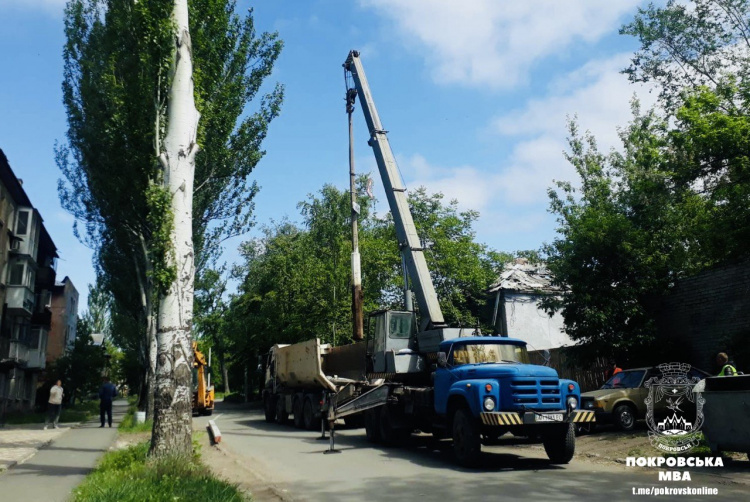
27	277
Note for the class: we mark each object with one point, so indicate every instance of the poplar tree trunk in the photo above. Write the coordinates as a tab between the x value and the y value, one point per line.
172	432
151	372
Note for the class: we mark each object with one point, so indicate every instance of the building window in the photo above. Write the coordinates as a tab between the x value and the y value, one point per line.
23	223
16	275
34	339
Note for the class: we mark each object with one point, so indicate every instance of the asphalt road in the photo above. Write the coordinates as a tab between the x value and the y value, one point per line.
293	460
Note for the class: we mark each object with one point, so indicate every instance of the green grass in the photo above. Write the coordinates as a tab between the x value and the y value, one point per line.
79	413
128	424
127	475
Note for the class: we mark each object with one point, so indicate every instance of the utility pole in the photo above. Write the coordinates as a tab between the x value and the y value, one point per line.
357	322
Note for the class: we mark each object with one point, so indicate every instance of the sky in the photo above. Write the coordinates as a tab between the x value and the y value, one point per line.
475	96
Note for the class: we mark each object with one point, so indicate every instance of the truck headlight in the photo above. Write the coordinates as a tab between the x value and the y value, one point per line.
489	403
572	403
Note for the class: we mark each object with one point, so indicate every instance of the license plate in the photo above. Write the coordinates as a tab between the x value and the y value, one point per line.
550	417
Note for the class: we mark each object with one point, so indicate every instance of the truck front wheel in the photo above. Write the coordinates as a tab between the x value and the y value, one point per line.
466	439
561	445
390	434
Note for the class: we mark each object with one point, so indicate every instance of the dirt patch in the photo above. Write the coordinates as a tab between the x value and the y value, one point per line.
237	470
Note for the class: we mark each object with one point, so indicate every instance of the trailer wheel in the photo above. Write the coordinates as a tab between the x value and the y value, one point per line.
281	414
309	420
389	434
372	425
297	405
269	407
466	440
561	446
207	413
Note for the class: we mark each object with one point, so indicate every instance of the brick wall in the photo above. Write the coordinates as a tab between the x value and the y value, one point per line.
704	311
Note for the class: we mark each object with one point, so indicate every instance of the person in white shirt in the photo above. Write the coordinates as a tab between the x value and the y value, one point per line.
54	404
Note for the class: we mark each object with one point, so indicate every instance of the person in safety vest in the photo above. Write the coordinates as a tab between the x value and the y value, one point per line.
726	369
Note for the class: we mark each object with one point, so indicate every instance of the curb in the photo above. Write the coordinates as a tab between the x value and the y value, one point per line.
14	463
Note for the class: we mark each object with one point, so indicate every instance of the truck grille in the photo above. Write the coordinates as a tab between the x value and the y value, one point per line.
535	392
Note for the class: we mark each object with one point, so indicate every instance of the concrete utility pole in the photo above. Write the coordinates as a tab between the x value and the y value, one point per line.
357	330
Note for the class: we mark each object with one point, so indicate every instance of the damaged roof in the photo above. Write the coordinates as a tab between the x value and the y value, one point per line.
523	277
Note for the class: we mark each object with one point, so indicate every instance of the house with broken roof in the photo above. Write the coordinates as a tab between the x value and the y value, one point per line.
517	313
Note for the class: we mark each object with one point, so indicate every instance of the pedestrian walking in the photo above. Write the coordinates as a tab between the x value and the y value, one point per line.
727	369
54	405
107	393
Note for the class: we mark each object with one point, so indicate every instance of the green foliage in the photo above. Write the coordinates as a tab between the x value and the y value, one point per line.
687	45
161	220
82	366
677	199
296	279
127	475
117	59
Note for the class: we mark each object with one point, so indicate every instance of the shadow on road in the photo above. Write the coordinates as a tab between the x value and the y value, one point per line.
420	449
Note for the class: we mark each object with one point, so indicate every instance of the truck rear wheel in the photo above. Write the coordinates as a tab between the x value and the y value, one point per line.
372	425
281	414
269	407
466	440
561	446
390	435
297	405
309	420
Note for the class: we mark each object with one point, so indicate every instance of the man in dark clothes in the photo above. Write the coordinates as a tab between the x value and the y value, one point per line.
106	394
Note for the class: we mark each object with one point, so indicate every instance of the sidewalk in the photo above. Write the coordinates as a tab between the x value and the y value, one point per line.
55	470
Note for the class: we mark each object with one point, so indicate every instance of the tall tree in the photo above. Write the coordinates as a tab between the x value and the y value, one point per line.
685	45
118	59
172	432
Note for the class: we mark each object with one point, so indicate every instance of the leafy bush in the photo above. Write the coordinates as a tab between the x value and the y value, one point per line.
128	475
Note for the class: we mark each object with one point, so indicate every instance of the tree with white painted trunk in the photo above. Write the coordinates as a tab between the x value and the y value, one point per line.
120	60
172	432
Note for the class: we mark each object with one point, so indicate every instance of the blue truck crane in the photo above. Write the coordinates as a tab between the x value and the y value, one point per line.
451	382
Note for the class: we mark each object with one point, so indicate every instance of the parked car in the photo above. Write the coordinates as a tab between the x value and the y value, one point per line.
621	400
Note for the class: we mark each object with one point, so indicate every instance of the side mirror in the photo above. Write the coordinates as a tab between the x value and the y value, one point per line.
547	356
442	360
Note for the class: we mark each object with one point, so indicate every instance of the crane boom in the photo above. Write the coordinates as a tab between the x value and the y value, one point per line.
406	232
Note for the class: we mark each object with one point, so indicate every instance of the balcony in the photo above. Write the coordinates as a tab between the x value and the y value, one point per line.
45	276
41	317
13	352
20	300
37	348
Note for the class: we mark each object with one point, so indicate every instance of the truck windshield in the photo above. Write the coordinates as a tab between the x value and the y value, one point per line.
489	353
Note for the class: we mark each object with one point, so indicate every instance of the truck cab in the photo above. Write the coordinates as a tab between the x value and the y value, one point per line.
492	375
473	388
